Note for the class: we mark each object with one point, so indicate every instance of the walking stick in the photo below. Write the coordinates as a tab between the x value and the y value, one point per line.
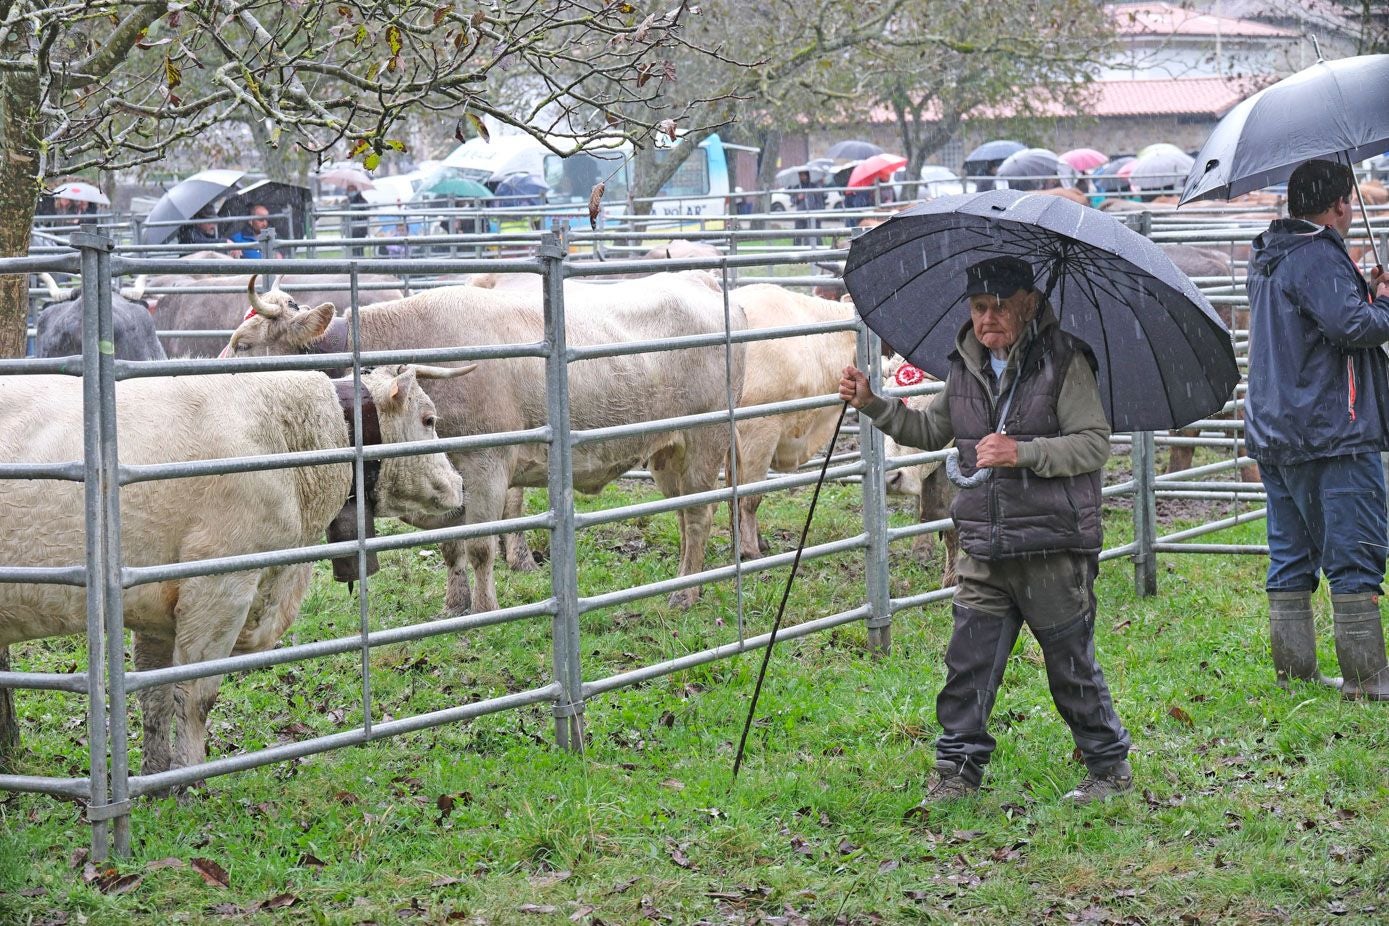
785	594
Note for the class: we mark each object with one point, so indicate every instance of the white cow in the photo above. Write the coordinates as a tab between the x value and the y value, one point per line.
782	369
200	418
509	394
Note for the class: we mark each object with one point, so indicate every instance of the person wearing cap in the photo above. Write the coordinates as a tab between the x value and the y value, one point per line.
1020	399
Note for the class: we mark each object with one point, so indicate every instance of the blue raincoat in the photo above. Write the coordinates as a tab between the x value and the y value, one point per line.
1318	379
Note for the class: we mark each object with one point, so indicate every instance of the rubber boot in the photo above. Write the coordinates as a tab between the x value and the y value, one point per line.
1360	647
1294	638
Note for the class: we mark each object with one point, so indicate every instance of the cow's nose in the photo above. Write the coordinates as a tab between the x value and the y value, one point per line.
894	479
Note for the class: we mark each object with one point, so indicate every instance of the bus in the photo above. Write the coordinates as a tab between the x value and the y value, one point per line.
699	188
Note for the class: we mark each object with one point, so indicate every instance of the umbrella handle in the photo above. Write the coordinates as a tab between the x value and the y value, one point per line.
952	472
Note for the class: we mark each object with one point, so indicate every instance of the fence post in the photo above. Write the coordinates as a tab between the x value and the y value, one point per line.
875	571
564	567
1144	515
106	643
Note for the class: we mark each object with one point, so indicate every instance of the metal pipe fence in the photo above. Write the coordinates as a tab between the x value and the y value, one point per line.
107	682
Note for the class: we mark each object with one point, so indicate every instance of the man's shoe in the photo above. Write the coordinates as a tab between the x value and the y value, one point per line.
950	784
1101	787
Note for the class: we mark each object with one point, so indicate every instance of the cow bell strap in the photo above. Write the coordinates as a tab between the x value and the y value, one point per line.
334	341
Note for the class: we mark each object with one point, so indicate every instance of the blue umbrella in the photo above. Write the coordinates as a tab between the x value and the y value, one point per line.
521	189
1165	358
1106	179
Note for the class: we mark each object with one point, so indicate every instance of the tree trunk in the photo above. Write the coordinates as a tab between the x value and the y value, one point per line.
286	162
18	193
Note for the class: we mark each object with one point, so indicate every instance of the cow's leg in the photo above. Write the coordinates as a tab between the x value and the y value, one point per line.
952	550
925	544
1179	458
518	553
756	444
685	471
156	704
209	616
486	501
457	597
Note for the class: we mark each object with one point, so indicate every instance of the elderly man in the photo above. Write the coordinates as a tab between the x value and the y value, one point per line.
1316	419
1021	399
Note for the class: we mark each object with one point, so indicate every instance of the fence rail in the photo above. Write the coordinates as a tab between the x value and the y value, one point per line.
107	683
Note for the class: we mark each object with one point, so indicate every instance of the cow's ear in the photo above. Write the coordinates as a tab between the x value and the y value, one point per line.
400	387
311	324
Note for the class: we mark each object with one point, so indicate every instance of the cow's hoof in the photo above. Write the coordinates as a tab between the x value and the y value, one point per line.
525	563
684	599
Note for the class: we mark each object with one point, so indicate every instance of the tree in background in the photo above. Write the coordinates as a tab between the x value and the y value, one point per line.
928	63
113	85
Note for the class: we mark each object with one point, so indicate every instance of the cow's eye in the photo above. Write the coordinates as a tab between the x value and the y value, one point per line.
429	422
242	346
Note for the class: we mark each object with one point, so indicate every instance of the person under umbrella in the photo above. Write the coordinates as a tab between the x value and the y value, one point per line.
202	229
1020	398
1316	420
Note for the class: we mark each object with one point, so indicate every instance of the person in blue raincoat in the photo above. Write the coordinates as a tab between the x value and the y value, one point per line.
1316	420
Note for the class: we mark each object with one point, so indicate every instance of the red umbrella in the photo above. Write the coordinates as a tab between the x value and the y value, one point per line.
878	167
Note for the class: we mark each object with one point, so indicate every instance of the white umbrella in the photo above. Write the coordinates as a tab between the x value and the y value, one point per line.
80	192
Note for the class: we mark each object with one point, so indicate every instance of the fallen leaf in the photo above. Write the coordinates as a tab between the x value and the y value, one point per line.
33	892
214	874
678	856
886	865
280	902
538	908
311	861
1181	716
622	887
445	881
846	847
550	878
583	911
673	784
170	862
120	885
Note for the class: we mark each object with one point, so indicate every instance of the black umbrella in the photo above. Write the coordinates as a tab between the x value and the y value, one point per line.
1333	109
1165	358
852	150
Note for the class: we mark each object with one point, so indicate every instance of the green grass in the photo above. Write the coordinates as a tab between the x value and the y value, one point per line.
1254	804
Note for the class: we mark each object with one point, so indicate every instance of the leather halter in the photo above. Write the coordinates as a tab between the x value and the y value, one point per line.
343	527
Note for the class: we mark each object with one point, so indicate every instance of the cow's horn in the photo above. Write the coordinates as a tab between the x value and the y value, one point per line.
261	308
427	372
54	292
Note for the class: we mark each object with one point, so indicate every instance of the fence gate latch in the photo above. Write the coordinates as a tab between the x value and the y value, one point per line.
99	812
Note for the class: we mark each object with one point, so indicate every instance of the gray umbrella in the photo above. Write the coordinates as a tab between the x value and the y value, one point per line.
1165	358
1333	109
183	201
1034	163
1163	170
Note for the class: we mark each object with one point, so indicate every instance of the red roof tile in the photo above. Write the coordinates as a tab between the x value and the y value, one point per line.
1167	19
1175	96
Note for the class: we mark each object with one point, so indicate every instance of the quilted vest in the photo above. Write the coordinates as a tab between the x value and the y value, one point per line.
1016	512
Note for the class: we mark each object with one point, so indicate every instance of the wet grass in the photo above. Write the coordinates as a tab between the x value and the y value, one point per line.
1254	804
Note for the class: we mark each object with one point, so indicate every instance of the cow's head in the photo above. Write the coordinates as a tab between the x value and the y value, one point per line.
275	325
426	485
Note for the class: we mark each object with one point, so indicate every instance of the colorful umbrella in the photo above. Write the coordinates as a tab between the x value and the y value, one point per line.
878	167
1085	159
80	192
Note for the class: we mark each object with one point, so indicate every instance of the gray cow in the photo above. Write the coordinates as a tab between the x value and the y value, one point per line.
191	311
60	327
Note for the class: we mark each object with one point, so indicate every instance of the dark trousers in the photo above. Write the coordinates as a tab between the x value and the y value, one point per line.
1054	595
1326	516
